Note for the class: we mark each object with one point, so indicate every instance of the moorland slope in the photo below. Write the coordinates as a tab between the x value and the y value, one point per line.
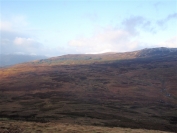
134	89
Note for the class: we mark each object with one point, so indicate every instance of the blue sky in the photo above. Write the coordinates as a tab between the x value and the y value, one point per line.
58	27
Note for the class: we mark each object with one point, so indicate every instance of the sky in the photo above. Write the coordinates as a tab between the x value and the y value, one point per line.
59	27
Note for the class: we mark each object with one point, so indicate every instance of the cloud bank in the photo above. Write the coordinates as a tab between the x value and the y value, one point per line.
117	38
107	40
14	39
167	19
172	43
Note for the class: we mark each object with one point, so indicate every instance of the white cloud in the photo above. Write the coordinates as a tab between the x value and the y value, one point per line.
106	37
172	43
5	26
15	39
28	45
108	40
24	41
18	22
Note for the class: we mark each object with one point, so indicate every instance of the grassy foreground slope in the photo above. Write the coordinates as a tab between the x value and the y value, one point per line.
133	93
33	127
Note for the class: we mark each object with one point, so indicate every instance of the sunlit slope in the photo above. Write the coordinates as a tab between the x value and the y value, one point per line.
54	127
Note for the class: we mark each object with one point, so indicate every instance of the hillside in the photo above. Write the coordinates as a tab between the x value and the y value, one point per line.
133	90
54	127
105	57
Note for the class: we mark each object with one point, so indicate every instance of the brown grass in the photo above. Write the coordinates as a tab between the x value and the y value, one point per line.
34	127
130	93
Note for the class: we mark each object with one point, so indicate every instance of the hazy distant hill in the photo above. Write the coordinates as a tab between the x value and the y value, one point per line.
11	59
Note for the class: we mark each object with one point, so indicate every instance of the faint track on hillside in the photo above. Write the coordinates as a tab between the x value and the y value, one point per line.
164	90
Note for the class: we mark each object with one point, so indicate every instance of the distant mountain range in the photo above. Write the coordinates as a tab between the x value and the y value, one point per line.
11	59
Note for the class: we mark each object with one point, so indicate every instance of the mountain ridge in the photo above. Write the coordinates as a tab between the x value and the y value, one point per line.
74	59
70	59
